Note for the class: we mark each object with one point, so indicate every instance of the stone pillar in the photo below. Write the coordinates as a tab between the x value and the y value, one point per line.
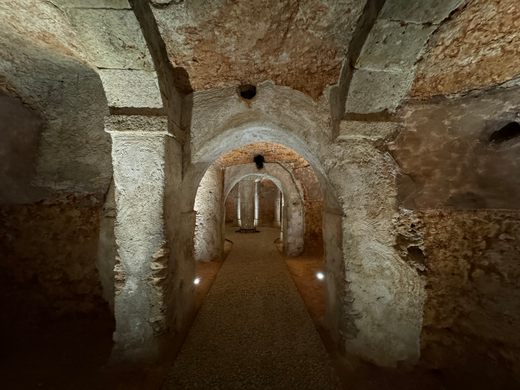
292	225
257	203
246	190
277	208
380	295
139	146
208	203
239	219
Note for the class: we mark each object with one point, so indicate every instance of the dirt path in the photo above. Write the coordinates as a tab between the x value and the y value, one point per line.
253	331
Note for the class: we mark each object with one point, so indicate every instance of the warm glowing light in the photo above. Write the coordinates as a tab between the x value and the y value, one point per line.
196	281
320	275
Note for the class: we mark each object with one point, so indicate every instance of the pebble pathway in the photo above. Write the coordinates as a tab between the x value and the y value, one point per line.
253	330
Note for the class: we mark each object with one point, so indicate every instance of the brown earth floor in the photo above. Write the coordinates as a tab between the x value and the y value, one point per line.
253	330
42	350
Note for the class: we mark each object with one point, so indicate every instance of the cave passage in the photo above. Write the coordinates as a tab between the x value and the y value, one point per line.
253	330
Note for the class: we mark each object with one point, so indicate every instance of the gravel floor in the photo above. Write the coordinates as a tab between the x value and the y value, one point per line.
253	331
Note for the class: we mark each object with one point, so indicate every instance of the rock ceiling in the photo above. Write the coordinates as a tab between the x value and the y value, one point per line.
271	152
477	48
297	43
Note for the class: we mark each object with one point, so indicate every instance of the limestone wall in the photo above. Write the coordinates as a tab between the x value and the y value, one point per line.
313	205
208	225
469	260
447	159
267	196
231	206
49	252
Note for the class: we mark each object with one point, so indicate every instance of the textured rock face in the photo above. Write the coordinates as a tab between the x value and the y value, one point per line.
208	245
49	252
41	22
143	251
41	62
446	152
477	48
294	43
268	195
18	148
470	262
271	152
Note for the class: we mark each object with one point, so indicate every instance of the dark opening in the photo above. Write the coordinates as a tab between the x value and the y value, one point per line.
506	133
417	258
247	91
259	161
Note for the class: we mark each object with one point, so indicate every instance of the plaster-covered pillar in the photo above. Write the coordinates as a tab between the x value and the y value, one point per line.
257	202
292	224
107	250
246	190
380	296
277	208
139	148
208	207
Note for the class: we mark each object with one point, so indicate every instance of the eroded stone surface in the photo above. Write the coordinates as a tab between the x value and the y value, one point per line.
134	88
293	43
41	22
41	62
393	45
420	11
59	277
105	4
446	152
208	226
477	48
470	263
111	37
20	129
377	91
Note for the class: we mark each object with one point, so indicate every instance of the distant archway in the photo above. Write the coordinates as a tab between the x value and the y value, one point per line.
293	213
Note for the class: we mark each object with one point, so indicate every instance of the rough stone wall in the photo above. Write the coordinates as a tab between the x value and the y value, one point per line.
217	45
20	129
469	260
208	225
477	48
107	247
42	62
313	205
446	156
231	206
382	299
272	152
55	160
267	196
49	252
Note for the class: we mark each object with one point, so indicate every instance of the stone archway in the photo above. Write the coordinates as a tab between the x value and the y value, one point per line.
293	214
374	298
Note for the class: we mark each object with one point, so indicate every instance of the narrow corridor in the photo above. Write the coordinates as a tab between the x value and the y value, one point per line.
253	330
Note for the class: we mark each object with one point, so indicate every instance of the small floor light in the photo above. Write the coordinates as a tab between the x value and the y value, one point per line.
320	275
196	281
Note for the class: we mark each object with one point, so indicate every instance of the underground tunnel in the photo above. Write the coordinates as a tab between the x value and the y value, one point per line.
260	195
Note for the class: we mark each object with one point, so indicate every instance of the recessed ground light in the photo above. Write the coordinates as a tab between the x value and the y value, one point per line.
247	91
196	281
320	275
506	133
